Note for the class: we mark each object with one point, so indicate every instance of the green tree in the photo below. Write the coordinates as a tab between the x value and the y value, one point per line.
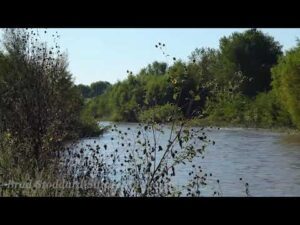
40	105
98	88
191	85
286	82
157	91
253	53
85	90
156	68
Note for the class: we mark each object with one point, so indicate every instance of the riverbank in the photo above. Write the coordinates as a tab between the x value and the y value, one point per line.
225	124
219	124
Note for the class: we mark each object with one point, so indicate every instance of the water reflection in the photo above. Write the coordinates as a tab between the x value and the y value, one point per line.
268	161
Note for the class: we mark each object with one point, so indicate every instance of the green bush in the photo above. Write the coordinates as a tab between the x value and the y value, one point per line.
161	114
88	126
227	108
40	106
286	83
262	111
266	111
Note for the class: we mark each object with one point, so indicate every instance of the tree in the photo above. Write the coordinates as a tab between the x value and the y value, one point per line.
286	82
93	90
157	91
156	68
99	87
191	85
85	90
40	105
203	65
253	53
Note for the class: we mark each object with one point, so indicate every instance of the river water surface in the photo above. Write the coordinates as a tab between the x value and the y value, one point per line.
268	161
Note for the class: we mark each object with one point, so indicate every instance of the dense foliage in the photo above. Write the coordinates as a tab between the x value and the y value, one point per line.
286	82
253	53
160	114
93	90
40	107
229	85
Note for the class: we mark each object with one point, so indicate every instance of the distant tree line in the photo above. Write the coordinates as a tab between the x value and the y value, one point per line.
93	90
248	80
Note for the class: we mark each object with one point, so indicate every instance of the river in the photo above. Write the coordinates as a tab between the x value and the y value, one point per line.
268	161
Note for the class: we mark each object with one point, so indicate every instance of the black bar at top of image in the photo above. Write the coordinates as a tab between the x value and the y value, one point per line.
181	14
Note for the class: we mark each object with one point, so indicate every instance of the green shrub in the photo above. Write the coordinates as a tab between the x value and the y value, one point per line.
266	111
161	113
262	111
227	109
88	126
286	83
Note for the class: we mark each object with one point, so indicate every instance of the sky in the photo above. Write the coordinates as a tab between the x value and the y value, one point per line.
106	54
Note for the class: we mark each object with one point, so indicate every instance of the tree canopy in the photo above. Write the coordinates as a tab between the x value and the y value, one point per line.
222	80
286	82
39	103
93	90
253	53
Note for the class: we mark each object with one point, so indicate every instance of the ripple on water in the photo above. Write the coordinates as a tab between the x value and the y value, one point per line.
268	161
